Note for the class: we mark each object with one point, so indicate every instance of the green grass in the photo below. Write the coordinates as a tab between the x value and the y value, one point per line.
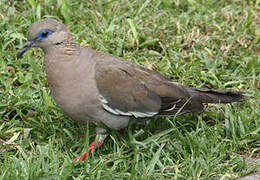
204	43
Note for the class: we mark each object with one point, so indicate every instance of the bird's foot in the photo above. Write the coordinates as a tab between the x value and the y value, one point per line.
122	132
90	148
100	138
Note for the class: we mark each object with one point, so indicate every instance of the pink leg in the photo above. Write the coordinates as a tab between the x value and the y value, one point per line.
122	132
101	138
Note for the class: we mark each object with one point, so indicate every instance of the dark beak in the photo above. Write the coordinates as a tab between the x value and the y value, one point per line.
25	47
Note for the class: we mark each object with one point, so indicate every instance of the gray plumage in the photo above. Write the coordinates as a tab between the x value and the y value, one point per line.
96	87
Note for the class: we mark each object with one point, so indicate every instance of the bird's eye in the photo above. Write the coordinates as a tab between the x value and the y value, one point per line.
44	34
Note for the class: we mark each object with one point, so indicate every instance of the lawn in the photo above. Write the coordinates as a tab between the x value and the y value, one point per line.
203	43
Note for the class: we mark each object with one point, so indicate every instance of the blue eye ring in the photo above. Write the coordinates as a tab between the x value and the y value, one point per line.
43	34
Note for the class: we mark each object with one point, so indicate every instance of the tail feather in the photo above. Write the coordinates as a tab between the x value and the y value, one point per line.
219	96
197	98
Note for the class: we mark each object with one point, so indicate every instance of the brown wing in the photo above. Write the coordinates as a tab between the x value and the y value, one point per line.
129	89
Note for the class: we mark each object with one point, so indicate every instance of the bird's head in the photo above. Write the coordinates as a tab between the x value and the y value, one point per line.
45	33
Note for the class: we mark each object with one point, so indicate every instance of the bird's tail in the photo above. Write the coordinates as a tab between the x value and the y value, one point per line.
219	96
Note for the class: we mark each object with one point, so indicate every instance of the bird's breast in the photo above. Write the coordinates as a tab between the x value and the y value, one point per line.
73	88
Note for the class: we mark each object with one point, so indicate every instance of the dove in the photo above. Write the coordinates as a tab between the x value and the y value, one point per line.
91	86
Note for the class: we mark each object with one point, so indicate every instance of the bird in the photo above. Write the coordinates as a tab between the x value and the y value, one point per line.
99	88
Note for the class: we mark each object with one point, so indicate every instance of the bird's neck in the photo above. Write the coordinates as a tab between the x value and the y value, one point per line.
66	46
